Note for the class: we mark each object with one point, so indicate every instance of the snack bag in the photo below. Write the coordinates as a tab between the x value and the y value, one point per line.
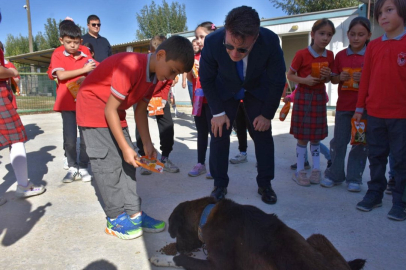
195	72
316	67
73	88
351	84
151	164
358	132
284	112
155	106
14	87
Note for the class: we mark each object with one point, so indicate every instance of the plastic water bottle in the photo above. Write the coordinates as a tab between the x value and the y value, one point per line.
198	102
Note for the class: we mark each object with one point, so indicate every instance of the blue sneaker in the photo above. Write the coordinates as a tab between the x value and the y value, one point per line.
123	228
149	224
328	183
353	187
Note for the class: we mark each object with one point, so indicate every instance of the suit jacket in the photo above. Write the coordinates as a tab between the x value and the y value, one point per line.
265	74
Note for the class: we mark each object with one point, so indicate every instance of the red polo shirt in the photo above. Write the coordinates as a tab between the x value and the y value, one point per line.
383	82
162	89
2	64
65	61
196	81
302	63
124	75
347	99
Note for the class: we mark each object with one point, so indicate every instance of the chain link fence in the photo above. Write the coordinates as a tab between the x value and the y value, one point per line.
37	93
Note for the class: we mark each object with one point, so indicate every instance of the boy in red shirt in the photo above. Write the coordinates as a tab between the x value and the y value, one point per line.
119	82
165	122
68	66
383	78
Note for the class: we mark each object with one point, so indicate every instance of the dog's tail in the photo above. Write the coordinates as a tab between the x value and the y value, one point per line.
357	264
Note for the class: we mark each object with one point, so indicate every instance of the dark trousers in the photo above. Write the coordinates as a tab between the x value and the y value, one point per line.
166	133
386	136
263	141
203	126
241	124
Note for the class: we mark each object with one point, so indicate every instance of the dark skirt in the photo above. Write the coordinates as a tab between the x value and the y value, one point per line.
11	127
309	114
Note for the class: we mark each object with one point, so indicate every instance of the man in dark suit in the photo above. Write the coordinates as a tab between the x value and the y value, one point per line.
242	61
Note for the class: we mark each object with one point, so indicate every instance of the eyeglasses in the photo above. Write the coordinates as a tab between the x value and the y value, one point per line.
96	24
231	47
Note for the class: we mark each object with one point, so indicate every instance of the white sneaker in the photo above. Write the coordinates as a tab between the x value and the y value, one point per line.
30	190
65	163
84	175
240	158
2	201
70	175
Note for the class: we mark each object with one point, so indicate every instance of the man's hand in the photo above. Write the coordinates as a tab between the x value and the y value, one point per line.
130	156
217	124
261	123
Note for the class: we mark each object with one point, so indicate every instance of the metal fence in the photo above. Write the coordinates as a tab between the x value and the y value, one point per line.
37	93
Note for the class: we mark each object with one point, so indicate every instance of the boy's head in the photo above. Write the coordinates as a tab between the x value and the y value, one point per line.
399	5
155	42
70	37
174	56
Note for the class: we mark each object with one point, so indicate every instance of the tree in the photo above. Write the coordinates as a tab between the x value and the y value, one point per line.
161	20
52	33
292	7
40	42
16	45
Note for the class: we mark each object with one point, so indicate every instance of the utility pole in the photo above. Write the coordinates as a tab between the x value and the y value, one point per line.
27	7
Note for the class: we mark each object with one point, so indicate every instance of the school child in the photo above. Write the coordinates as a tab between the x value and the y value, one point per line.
323	149
165	122
382	94
118	83
359	33
68	66
203	124
13	135
309	115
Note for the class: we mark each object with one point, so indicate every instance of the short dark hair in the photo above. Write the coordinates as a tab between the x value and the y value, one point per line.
319	24
70	30
155	42
65	22
242	22
399	4
178	49
92	18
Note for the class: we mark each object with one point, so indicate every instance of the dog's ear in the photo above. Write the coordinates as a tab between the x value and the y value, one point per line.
176	220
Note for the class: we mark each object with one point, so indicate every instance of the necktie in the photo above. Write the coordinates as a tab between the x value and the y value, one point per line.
240	69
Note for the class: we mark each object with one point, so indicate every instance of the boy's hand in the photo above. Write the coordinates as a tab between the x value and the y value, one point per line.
89	66
344	76
150	151
130	156
309	80
357	117
286	99
183	85
356	76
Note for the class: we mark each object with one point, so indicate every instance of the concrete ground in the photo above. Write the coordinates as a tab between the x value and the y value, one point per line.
64	228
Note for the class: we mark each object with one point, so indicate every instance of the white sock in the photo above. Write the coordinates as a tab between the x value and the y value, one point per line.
137	215
300	157
315	150
18	159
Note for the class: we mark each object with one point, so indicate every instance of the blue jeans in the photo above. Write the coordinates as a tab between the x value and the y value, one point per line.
190	88
338	146
70	131
323	150
386	136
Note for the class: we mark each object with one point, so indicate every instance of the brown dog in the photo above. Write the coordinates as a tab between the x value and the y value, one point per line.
244	237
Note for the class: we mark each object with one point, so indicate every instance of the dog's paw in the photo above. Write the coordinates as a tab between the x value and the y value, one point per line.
164	261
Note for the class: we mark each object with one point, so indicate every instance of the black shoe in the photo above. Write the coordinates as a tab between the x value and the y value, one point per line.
306	166
369	202
268	195
397	213
391	185
219	193
329	163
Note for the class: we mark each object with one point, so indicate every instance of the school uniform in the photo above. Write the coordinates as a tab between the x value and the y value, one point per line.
8	64
345	109
309	113
65	103
125	76
11	127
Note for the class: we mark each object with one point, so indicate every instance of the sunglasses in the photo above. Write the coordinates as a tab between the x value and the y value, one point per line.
96	24
231	47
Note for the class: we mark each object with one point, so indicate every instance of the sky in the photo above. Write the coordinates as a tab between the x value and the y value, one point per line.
118	17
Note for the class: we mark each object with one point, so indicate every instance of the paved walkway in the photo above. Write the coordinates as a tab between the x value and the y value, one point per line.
64	228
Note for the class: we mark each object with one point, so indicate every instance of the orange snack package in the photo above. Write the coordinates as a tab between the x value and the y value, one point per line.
351	84
284	112
15	87
358	132
151	164
194	72
155	106
316	67
73	88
